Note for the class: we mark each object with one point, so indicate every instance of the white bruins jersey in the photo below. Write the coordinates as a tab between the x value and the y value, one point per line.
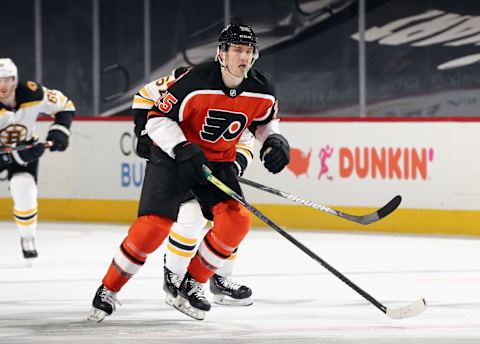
32	100
147	96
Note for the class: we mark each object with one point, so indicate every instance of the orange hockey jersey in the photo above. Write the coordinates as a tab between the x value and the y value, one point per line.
213	115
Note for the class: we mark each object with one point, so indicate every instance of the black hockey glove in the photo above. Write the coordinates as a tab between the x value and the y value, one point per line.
275	153
58	135
143	146
143	140
5	159
190	159
27	156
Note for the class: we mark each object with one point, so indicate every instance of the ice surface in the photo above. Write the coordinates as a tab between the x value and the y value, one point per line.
296	299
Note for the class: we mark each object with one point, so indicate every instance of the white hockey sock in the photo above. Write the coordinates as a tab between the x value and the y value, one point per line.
180	249
25	210
183	237
227	269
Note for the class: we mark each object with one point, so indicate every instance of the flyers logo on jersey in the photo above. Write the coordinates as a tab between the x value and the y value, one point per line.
223	124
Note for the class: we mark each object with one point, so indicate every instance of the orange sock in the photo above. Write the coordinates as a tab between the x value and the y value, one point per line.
231	224
145	235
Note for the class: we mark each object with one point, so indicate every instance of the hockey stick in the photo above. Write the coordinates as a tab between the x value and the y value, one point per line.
407	311
364	219
21	147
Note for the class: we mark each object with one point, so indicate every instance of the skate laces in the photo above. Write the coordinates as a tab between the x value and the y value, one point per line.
196	290
176	279
229	283
109	297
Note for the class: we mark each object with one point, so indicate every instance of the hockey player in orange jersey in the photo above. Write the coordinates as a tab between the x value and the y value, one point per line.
187	231
198	122
21	103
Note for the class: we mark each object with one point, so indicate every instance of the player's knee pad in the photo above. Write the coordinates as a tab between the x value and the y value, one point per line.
231	223
147	233
23	189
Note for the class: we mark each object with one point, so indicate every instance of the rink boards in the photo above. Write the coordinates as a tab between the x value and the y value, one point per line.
353	165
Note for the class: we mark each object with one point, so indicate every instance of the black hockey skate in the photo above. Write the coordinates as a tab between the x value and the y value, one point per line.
103	304
28	248
191	298
228	292
171	284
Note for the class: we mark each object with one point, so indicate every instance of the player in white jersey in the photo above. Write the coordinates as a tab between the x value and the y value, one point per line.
21	103
187	231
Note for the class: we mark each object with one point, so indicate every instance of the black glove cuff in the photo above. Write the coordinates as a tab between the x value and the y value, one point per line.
64	118
61	128
241	163
186	150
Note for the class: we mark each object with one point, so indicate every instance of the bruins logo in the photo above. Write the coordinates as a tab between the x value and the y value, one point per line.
32	85
13	133
225	124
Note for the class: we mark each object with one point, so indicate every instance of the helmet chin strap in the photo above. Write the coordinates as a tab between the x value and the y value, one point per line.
227	70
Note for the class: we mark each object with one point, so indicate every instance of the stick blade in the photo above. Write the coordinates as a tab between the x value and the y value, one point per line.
407	311
390	206
380	213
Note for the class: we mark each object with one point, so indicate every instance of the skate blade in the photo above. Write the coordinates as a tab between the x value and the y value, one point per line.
96	315
169	299
225	300
184	306
29	262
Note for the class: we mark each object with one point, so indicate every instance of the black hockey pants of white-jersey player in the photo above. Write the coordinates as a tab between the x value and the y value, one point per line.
187	231
21	103
198	122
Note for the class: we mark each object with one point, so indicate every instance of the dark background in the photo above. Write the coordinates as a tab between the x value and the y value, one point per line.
305	45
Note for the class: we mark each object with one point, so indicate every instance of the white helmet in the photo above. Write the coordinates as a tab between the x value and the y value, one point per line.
8	68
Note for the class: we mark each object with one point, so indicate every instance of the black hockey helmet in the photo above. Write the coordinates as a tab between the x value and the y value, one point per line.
238	34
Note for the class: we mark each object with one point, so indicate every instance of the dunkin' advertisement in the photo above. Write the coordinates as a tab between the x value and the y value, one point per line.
363	163
432	165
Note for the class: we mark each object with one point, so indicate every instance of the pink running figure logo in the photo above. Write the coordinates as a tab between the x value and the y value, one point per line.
324	154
